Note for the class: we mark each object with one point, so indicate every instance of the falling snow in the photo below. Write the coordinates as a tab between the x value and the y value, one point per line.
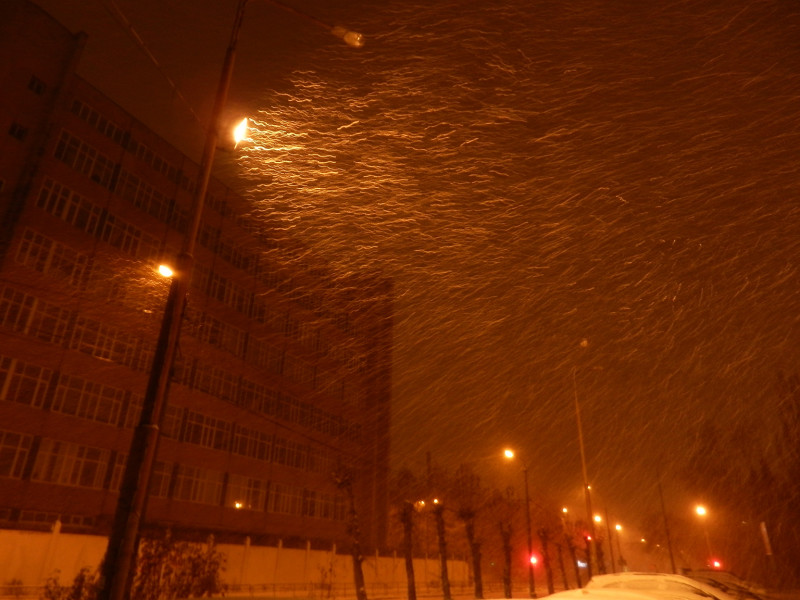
531	175
535	175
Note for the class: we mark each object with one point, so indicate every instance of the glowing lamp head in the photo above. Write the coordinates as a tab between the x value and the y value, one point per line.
508	453
165	271
351	38
240	132
534	560
716	564
700	510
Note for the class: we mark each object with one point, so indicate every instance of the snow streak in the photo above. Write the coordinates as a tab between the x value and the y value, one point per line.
533	174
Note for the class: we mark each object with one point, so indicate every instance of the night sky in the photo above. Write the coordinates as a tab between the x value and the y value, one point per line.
531	175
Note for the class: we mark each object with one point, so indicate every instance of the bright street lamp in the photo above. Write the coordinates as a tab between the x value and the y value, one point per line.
510	455
618	529
115	573
702	513
240	132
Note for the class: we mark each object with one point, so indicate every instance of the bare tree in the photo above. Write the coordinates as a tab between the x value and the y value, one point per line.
344	482
471	498
407	518
544	537
438	513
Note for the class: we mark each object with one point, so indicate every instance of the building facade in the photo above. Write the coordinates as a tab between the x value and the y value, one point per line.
284	370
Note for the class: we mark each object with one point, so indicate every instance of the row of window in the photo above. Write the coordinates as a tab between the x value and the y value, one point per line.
151	201
47	460
17	130
42	388
144	153
123	138
30	384
65	204
48	256
32	316
87	160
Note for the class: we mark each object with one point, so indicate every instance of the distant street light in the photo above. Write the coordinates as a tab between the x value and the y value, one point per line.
702	513
510	455
115	573
622	566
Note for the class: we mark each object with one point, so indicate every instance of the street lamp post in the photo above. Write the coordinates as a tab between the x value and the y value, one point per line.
702	512
610	542
622	566
509	454
587	491
115	574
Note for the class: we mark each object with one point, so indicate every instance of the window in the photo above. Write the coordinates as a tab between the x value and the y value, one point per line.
17	131
16	309
160	479
118	472
285	499
171	422
216	382
99	122
85	159
299	371
194	484
309	503
23	383
14	448
330	507
108	343
264	354
65	204
252	443
290	453
70	464
246	493
88	400
144	196
50	323
37	86
207	431
48	256
222	335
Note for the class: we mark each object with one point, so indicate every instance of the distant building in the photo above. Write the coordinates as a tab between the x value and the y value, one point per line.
283	374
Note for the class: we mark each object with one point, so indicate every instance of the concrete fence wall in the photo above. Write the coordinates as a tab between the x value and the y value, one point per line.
29	558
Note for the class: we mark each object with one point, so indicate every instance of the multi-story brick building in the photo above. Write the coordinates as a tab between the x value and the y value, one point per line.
283	373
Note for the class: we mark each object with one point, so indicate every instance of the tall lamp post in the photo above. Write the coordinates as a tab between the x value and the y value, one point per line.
115	574
702	512
587	490
510	455
622	565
